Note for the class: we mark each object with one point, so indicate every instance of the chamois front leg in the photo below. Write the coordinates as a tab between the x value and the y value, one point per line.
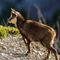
25	41
24	37
28	46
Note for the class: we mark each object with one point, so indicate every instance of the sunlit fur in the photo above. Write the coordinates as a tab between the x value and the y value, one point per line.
34	31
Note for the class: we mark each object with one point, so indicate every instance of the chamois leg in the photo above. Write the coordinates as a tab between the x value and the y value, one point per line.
27	43
55	53
50	48
24	41
47	49
28	47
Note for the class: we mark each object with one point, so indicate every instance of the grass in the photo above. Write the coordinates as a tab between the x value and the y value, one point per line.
4	31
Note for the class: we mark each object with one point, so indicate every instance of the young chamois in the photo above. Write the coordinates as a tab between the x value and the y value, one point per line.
34	31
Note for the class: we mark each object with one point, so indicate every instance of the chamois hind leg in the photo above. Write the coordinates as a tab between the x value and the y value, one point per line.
55	53
48	51
50	48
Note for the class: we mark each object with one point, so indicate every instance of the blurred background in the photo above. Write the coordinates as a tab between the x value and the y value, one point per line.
45	11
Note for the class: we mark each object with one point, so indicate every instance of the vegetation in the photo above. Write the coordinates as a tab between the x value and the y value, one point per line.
4	31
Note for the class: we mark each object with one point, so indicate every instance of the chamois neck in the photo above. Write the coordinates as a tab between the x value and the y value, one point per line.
20	22
20	17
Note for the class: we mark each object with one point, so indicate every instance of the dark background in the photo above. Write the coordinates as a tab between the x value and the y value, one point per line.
49	9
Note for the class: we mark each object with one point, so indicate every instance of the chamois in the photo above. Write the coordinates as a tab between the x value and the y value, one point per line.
34	31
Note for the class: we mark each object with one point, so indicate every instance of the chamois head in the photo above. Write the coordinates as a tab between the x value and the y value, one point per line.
14	16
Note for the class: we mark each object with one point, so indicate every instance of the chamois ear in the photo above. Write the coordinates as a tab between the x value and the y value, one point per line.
13	10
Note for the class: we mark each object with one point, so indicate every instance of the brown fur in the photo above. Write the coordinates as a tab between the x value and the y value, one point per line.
34	31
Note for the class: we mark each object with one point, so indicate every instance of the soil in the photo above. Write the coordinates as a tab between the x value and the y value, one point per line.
13	48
